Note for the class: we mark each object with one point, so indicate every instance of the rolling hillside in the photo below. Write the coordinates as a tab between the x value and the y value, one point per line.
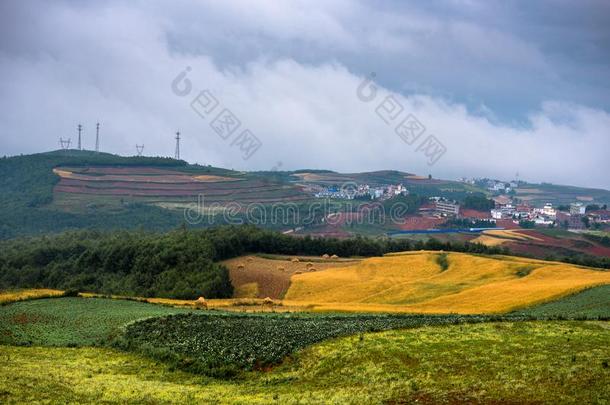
420	282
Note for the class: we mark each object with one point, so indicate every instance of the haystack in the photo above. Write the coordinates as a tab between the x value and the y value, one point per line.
298	272
281	268
313	269
334	257
249	259
267	302
308	265
325	256
240	266
295	260
201	303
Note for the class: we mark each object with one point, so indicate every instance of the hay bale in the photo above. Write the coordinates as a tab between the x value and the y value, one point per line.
308	265
281	268
298	272
325	256
241	266
295	260
334	257
313	269
201	303
249	259
267	303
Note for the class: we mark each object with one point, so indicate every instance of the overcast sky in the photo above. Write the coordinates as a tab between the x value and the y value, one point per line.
505	86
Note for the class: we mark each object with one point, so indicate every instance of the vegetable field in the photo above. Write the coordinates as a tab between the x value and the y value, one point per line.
223	345
71	321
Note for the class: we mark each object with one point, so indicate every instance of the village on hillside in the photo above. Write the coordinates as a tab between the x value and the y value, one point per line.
505	209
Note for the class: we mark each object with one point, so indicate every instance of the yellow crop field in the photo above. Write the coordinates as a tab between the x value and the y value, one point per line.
260	277
20	295
415	282
498	237
213	179
62	173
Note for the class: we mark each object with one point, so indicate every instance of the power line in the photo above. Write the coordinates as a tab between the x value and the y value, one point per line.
140	149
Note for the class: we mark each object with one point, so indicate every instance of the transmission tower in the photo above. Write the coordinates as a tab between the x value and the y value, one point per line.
177	154
64	143
97	137
140	149
80	128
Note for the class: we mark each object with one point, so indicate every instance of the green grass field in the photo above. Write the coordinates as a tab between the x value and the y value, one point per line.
71	321
528	362
593	302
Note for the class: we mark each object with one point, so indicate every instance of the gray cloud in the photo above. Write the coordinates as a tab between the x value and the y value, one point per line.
507	87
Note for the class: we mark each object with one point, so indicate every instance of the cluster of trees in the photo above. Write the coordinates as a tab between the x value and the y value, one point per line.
524	223
478	202
595	207
601	239
178	264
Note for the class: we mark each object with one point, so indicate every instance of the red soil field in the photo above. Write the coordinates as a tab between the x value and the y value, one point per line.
115	181
468	213
551	245
418	223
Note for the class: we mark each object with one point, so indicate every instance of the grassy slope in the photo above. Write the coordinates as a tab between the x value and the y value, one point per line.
71	321
591	302
415	282
554	362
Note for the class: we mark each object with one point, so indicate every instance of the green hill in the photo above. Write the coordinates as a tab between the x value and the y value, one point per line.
72	189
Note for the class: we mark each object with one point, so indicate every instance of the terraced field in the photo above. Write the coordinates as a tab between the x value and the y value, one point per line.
148	182
543	242
498	237
416	282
